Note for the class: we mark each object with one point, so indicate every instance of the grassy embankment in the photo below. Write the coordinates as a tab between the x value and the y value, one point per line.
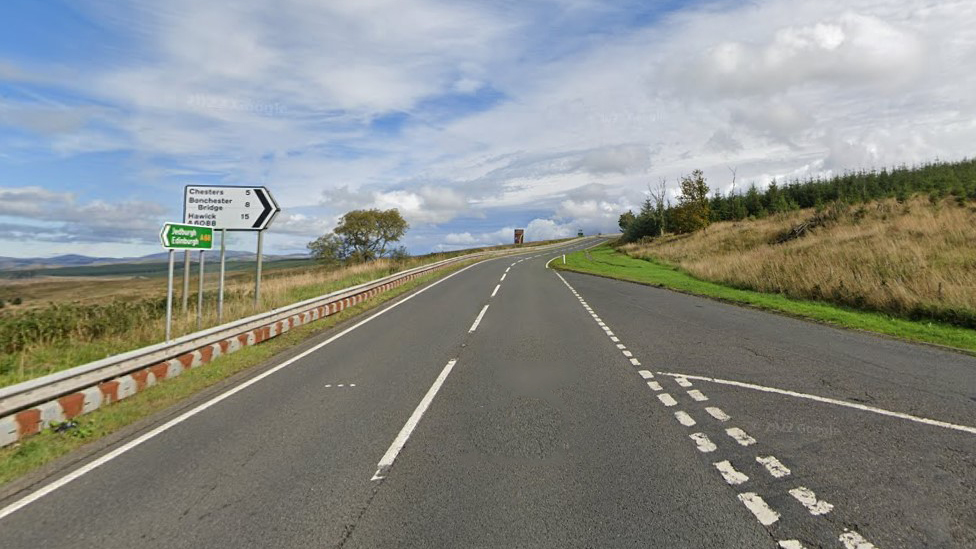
47	446
902	269
89	319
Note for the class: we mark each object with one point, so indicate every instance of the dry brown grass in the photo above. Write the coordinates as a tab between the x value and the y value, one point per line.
916	259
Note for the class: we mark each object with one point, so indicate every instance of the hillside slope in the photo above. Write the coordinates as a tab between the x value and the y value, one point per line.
915	258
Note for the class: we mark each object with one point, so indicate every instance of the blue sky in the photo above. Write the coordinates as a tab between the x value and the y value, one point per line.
472	118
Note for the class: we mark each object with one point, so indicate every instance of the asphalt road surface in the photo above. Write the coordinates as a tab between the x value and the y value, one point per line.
509	406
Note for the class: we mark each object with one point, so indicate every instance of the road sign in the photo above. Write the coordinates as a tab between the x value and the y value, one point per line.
519	236
176	236
230	208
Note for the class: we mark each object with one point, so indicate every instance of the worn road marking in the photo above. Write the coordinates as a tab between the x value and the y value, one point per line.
684	419
740	436
809	500
697	395
759	508
92	465
667	399
774	466
654	385
682	382
717	413
495	291
703	443
729	473
826	400
401	439
478	320
645	374
853	540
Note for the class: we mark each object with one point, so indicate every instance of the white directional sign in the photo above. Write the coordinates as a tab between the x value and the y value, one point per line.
231	208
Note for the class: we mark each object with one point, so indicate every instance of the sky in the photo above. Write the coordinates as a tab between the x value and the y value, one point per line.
471	117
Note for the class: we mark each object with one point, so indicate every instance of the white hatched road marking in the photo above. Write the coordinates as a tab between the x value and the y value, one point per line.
759	508
809	500
729	473
853	540
740	436
684	419
717	413
703	443
774	466
826	400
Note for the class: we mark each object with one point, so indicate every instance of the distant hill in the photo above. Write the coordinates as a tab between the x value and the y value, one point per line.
75	260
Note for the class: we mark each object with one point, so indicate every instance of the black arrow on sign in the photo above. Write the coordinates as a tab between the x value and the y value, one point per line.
267	209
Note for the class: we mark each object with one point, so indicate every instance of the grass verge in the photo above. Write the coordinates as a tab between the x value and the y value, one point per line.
605	261
37	451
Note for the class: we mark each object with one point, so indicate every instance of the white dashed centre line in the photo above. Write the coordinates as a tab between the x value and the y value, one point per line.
740	436
654	385
635	362
773	465
682	382
401	439
809	500
790	544
759	508
495	291
729	473
478	320
697	395
645	374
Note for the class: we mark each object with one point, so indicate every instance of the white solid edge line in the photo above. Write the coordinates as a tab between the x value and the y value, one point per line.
827	400
401	439
495	291
478	320
47	489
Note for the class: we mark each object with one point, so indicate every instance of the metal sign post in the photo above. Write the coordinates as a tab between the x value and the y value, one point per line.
220	283
257	279
229	208
200	294
175	236
186	279
169	297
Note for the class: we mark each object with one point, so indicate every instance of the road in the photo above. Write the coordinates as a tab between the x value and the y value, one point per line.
511	406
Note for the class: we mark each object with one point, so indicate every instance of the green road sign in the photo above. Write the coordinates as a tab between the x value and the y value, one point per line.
176	236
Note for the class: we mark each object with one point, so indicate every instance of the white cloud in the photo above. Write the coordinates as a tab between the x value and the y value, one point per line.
289	93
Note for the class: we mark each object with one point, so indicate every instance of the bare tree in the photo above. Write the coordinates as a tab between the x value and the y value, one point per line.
659	197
